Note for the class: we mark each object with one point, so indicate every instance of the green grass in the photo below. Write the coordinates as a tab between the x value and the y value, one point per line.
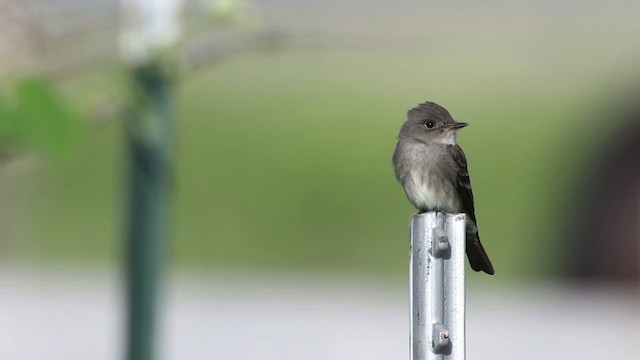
284	163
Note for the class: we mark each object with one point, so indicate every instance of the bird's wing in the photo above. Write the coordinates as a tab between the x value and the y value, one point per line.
478	258
463	183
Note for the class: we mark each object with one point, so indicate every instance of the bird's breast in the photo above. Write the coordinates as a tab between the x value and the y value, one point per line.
431	192
429	184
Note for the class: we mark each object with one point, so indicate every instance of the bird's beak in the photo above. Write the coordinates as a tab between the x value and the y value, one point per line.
456	125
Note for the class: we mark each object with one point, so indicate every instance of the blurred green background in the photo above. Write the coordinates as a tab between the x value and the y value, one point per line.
283	157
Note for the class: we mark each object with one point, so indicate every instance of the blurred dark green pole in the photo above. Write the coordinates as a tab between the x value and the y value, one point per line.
149	141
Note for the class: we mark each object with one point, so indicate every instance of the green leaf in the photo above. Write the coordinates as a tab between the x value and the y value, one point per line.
40	119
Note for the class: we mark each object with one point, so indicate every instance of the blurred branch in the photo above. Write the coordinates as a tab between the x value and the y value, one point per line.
214	47
66	39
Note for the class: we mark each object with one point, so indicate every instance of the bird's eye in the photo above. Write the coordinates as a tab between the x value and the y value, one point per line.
429	124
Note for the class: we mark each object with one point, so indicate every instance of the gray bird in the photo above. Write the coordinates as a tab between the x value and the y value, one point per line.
432	169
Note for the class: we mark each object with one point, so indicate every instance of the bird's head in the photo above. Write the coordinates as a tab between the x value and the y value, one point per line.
430	123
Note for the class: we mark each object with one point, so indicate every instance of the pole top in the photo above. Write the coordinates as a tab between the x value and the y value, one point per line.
438	214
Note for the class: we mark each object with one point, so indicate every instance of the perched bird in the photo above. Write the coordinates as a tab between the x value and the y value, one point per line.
432	169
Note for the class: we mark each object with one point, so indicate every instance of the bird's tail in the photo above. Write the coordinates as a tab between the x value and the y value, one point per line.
478	258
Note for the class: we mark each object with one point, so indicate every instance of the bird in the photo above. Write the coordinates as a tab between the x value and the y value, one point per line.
432	169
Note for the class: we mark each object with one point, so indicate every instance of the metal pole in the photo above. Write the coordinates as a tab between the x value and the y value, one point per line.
150	31
437	302
149	138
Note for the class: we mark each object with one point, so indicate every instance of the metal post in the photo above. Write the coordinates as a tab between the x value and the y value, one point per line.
150	30
437	302
149	138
